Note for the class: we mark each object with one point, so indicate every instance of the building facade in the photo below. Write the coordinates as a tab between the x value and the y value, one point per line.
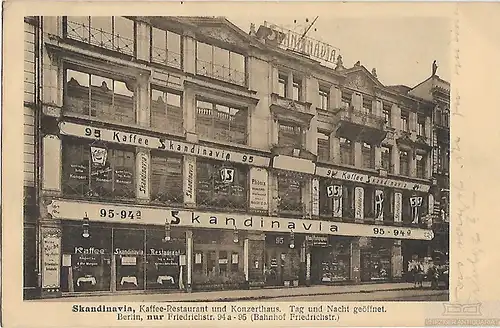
183	153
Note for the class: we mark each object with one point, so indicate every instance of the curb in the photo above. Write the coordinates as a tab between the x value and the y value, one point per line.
249	298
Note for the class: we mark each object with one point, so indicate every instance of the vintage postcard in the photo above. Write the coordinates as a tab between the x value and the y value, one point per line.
282	164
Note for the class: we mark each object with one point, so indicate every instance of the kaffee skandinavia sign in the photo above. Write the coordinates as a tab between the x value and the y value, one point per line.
116	213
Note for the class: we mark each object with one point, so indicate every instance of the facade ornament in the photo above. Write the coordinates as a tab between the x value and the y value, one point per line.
252	30
340	63
374	72
358	63
434	68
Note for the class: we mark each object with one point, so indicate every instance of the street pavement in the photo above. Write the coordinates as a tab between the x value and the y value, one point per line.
313	293
410	295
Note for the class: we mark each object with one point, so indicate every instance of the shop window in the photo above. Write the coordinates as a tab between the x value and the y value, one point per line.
163	260
165	47
348	201
166	111
346	151
113	32
368	153
290	188
282	85
335	264
211	265
323	146
220	122
86	262
223	263
198	262
107	173
290	135
221	64
421	163
386	156
369	202
376	261
166	178
129	259
99	96
421	126
404	121
221	185
404	163
235	259
324	95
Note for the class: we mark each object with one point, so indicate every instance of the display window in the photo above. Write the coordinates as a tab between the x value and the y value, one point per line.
129	258
86	262
376	261
335	265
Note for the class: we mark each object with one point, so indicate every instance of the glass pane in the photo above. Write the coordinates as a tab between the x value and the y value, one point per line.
204	58
75	170
174	99
124	165
101	32
158	109
101	97
166	179
76	97
124	102
173	42
221	57
78	28
159	41
124	35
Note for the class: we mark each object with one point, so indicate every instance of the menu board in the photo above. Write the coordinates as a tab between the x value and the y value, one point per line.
79	172
124	176
51	248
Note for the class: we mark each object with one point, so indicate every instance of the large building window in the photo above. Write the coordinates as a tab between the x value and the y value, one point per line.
421	163
220	64
95	171
282	85
290	185
368	154
346	151
324	95
367	105
99	96
346	99
323	146
113	32
386	111
386	156
221	185
166	179
421	126
290	135
165	47
220	122
166	111
404	121
404	163
297	89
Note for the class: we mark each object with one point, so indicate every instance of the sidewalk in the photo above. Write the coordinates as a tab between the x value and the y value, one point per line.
233	295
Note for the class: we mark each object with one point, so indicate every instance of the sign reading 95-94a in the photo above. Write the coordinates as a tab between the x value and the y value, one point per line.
135	214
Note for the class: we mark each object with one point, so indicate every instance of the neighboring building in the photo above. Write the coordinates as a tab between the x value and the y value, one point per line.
183	153
437	90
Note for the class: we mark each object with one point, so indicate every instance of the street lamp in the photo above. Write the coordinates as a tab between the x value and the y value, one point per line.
167	230
291	244
86	225
235	235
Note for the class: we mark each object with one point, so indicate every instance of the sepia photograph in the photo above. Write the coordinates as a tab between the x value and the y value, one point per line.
219	158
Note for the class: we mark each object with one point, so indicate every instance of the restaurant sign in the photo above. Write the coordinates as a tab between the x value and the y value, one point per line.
160	143
116	213
370	179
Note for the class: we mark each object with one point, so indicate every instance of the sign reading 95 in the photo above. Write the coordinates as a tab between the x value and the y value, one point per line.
393	232
117	213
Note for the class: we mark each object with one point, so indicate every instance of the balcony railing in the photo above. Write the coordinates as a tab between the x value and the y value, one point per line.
219	72
221	126
100	38
361	118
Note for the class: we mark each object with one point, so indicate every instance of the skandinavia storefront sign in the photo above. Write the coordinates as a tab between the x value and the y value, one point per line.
115	213
370	179
134	139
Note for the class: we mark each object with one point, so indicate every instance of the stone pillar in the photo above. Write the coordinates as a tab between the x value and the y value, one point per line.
143	115
335	97
307	196
189	104
359	199
273	193
395	159
355	260
189	259
396	117
412	121
378	157
358	158
334	148
52	163
398	207
413	162
143	39
143	165
289	86
189	53
428	128
308	266
428	164
397	261
52	80
50	253
189	187
273	78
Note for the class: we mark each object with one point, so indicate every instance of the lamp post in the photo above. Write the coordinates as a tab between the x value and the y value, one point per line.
236	238
86	225
167	231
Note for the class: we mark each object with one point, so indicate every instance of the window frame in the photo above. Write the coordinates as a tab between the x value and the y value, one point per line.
301	134
389	155
343	141
165	61
407	155
179	199
324	98
176	129
404	121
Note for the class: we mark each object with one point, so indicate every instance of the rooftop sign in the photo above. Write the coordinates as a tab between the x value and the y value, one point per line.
290	40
